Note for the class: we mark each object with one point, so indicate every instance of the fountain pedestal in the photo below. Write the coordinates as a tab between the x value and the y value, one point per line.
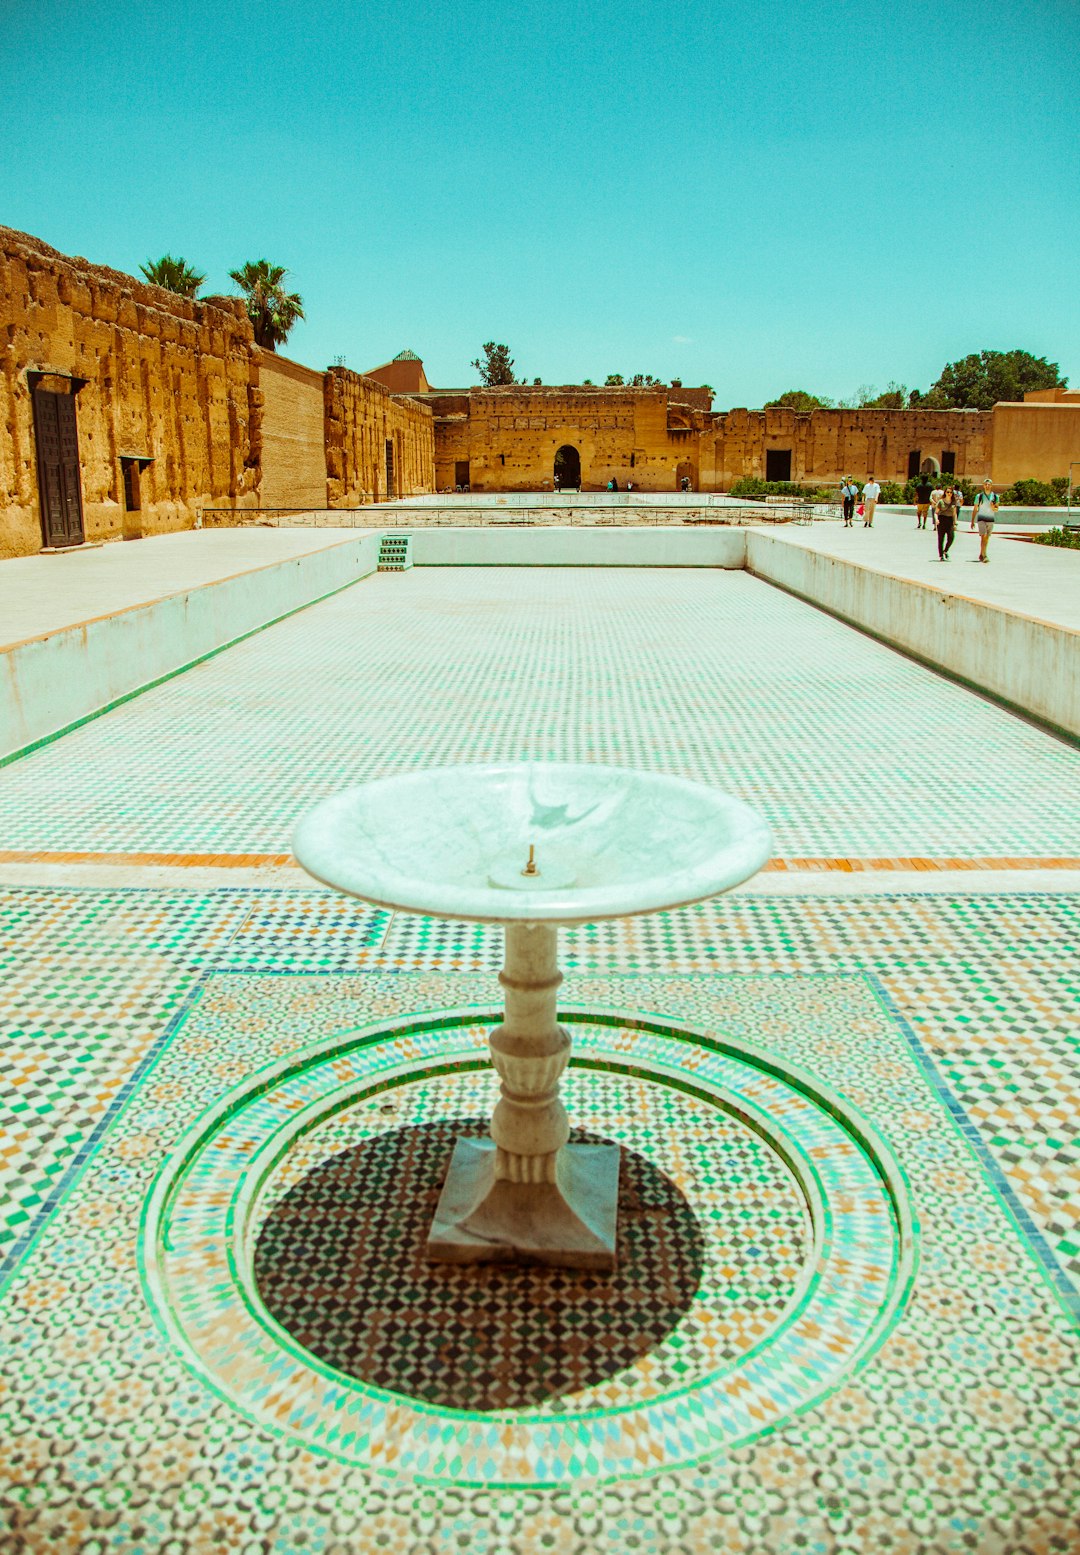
602	842
525	1193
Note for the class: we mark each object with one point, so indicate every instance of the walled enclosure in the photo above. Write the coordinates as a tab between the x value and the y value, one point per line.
178	392
168	381
653	437
1039	438
361	418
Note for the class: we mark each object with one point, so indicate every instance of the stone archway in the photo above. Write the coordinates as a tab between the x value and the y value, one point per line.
567	471
930	466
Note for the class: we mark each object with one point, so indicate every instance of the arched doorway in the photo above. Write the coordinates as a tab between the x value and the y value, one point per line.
930	467
568	468
684	471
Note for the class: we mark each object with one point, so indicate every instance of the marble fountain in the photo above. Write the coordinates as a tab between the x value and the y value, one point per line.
531	846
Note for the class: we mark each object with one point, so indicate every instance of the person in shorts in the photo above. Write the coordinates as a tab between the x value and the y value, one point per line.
870	493
983	514
922	502
849	495
945	511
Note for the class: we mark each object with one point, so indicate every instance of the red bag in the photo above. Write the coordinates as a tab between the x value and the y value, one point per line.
861	509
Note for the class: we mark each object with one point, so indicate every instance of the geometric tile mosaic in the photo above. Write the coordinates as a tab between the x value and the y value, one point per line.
958	1433
847	748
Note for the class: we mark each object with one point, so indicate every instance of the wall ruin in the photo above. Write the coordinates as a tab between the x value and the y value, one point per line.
361	418
170	385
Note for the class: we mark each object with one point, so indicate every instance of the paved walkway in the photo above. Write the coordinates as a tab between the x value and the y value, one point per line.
44	594
1036	580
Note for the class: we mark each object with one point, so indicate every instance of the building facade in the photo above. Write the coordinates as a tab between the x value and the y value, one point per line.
126	410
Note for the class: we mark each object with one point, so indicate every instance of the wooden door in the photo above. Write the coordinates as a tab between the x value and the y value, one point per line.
59	487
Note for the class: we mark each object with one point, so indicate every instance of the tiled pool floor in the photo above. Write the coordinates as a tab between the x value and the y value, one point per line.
941	1415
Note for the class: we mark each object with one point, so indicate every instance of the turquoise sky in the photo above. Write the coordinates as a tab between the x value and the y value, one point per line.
754	196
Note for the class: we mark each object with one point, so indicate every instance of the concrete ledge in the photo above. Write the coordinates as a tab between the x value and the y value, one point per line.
50	683
579	547
1030	664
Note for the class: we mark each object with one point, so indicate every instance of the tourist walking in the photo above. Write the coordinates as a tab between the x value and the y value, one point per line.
870	493
945	512
983	513
849	495
922	502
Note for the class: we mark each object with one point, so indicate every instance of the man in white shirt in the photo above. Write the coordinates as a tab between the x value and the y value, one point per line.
870	493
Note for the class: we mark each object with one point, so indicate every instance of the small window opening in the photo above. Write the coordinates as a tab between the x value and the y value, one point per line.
778	464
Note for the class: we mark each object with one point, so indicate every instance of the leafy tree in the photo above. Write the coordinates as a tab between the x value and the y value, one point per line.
644	381
613	381
496	366
979	381
272	310
799	399
174	275
895	397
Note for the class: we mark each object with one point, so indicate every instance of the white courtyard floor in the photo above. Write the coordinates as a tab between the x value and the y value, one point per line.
847	1315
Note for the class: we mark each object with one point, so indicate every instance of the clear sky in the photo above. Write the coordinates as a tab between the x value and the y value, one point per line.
755	196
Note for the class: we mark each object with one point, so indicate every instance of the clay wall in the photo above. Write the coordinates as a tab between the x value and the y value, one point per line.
826	445
167	380
1036	439
293	458
510	436
360	418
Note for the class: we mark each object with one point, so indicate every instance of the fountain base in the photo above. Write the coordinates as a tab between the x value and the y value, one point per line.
566	1224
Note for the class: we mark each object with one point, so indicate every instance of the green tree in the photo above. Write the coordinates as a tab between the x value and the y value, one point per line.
174	275
644	381
272	310
613	381
799	399
895	397
496	366
979	381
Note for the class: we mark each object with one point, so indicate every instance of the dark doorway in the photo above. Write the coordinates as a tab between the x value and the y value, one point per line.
778	464
390	467
948	461
568	468
914	464
461	474
685	476
60	490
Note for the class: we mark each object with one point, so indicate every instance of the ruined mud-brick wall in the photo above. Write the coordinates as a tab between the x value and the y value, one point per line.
167	380
361	417
510	436
293	456
826	445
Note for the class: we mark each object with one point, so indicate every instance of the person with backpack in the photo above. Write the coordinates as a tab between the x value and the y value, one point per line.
945	512
849	495
983	513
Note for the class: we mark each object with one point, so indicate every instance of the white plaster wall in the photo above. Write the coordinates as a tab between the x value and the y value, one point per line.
50	682
584	547
1030	663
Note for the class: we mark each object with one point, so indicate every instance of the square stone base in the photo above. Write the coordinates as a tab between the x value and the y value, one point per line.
569	1223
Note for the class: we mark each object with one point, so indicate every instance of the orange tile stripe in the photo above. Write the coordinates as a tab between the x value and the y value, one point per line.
281	860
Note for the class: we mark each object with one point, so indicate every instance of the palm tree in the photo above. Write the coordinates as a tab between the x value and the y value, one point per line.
272	310
175	275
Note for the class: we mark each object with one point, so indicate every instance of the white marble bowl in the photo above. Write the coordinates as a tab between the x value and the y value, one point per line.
609	842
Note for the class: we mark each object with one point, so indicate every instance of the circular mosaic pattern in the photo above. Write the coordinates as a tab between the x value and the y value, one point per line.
341	1265
258	1255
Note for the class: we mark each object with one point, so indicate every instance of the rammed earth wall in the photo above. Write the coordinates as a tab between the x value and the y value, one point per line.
167	380
180	390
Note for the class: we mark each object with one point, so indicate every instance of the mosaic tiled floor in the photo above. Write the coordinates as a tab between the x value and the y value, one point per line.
187	1213
846	747
958	1433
